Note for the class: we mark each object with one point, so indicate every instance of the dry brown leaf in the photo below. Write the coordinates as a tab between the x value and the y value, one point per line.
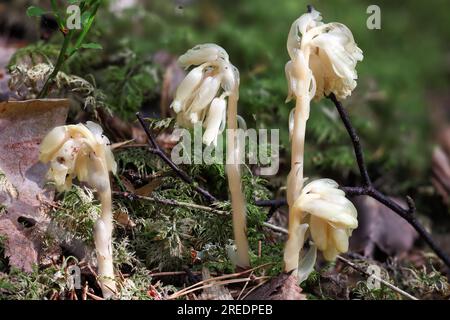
380	227
281	287
19	249
124	219
147	189
23	124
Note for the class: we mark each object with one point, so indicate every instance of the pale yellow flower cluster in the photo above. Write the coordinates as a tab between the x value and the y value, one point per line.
80	151
332	217
331	52
201	95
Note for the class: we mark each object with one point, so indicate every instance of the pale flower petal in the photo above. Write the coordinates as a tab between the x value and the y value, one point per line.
187	86
230	77
340	239
206	93
318	228
200	97
51	143
214	120
332	217
202	53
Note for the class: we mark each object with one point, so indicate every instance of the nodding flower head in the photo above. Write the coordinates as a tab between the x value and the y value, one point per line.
80	151
201	95
332	217
333	55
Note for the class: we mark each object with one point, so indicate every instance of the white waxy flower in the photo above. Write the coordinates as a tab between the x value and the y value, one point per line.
211	104
332	217
83	151
333	55
69	150
201	96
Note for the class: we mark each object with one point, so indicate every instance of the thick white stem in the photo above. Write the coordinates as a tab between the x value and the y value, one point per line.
295	179
103	245
234	184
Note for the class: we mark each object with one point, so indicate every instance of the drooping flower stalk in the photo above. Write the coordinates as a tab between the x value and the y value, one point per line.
234	184
323	61
208	95
82	151
295	179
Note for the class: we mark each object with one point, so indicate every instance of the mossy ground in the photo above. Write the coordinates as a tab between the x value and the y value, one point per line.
403	61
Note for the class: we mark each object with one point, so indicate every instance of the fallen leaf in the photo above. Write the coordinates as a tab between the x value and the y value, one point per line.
23	124
20	250
147	189
381	228
124	219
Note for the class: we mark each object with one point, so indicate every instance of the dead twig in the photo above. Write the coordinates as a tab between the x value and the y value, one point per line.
368	188
227	276
156	150
387	284
218	283
93	296
173	273
245	287
254	288
170	202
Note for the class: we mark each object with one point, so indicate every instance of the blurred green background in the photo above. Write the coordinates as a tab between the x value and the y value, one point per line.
404	62
406	65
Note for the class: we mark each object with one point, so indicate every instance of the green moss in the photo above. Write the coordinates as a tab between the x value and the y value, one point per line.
76	214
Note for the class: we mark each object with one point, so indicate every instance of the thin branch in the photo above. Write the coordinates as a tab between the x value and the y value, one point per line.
216	279
271	203
170	202
156	150
172	273
369	190
275	228
355	140
387	284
